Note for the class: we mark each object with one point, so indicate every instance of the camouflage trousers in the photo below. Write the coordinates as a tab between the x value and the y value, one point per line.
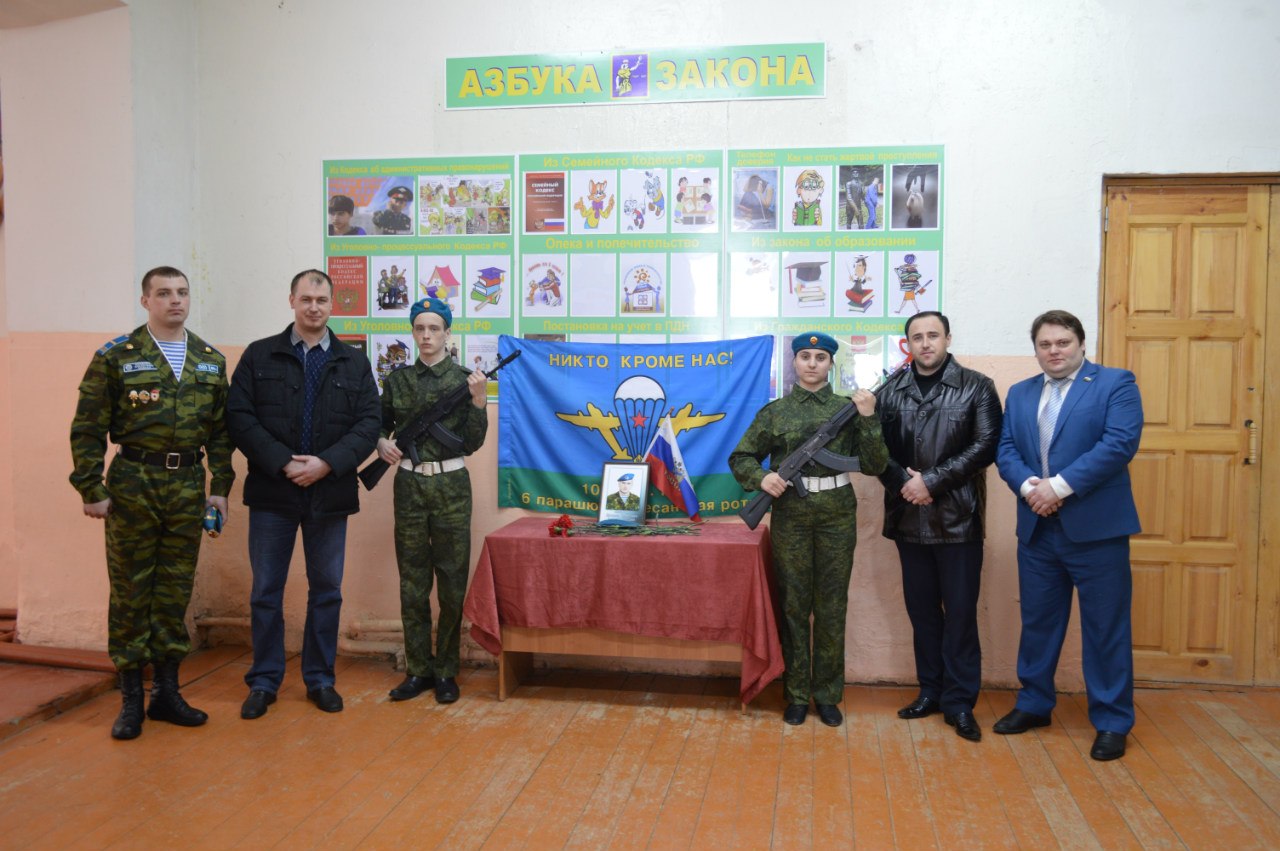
813	540
433	546
153	540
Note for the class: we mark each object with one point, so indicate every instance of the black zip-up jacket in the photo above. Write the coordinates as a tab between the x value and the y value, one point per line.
950	437
264	417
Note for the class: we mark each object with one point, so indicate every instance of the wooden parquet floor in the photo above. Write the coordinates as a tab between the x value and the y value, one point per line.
591	761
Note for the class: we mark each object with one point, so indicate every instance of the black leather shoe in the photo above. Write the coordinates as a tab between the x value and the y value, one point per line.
829	714
795	714
1018	721
412	687
966	725
446	690
255	705
326	698
921	707
1107	746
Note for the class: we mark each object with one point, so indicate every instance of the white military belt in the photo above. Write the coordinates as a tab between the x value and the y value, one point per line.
814	484
435	468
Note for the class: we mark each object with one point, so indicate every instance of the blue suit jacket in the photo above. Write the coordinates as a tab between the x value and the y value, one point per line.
1096	437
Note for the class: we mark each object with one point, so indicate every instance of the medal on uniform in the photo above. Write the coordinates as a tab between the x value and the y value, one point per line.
133	398
155	395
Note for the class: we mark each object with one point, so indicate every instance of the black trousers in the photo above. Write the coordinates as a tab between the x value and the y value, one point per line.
940	583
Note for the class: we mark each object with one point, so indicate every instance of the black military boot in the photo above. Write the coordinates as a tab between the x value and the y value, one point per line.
129	722
166	703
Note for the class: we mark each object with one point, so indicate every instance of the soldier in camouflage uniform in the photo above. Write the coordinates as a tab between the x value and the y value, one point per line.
432	501
623	499
814	536
153	499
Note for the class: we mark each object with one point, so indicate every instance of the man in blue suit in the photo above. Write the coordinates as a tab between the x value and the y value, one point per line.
1065	447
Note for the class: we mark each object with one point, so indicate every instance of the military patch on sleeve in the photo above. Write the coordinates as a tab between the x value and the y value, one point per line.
207	367
107	346
138	366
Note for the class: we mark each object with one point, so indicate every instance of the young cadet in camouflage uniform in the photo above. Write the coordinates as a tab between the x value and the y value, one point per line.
813	537
623	499
153	499
432	501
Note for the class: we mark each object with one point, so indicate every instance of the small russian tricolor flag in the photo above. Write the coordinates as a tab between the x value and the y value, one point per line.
667	470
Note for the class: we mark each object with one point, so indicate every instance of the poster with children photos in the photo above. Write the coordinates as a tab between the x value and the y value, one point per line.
646	245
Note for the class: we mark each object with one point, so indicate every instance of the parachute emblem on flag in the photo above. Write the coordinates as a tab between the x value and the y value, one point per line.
638	406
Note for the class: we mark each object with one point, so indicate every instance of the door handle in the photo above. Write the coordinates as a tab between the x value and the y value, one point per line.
1252	457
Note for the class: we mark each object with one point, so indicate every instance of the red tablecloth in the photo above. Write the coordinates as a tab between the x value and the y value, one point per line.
714	586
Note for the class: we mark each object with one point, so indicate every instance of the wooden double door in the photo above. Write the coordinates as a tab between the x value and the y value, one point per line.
1191	304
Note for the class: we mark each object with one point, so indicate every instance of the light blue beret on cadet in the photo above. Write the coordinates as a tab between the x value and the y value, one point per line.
432	305
626	477
814	340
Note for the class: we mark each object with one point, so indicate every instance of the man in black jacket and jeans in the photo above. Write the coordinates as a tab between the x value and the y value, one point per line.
304	410
941	423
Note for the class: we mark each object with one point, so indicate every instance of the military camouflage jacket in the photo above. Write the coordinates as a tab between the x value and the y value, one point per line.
781	426
615	502
175	416
407	391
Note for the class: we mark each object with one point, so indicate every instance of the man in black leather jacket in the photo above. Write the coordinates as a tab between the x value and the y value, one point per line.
941	423
304	410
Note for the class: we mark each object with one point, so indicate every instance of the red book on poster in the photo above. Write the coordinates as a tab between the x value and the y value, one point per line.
350	285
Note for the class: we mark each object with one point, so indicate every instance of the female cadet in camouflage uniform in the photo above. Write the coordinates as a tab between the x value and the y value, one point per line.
432	501
153	498
813	537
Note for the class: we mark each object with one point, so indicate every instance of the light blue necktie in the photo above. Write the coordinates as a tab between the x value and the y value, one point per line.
1049	420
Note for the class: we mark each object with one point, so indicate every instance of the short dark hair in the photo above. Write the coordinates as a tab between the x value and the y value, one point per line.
341	204
160	272
312	274
946	323
1058	317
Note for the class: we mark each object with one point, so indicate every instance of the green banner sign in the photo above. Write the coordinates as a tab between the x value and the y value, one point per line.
640	76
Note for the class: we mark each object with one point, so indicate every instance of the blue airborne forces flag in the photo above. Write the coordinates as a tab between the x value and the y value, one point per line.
568	408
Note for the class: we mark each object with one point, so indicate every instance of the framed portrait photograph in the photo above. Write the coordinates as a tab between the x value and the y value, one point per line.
624	490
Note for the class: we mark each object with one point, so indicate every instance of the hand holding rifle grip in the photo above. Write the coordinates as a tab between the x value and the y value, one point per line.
407	438
815	447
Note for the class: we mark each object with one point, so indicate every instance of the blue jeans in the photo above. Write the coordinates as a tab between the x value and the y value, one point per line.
271	539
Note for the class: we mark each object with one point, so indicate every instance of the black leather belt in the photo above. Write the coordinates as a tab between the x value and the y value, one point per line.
168	460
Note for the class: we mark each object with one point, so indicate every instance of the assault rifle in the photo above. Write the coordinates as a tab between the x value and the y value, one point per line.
814	449
427	421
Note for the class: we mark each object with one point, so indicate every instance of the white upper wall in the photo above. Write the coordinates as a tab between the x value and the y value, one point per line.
238	101
68	156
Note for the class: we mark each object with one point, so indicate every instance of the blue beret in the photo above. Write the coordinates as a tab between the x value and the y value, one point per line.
431	305
626	477
814	340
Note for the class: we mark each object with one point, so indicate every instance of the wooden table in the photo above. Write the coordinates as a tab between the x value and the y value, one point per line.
704	597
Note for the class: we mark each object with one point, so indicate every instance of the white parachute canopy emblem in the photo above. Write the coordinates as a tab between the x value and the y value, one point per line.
639	403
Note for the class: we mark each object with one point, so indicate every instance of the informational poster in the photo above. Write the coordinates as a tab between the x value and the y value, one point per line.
400	230
847	241
617	246
640	247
